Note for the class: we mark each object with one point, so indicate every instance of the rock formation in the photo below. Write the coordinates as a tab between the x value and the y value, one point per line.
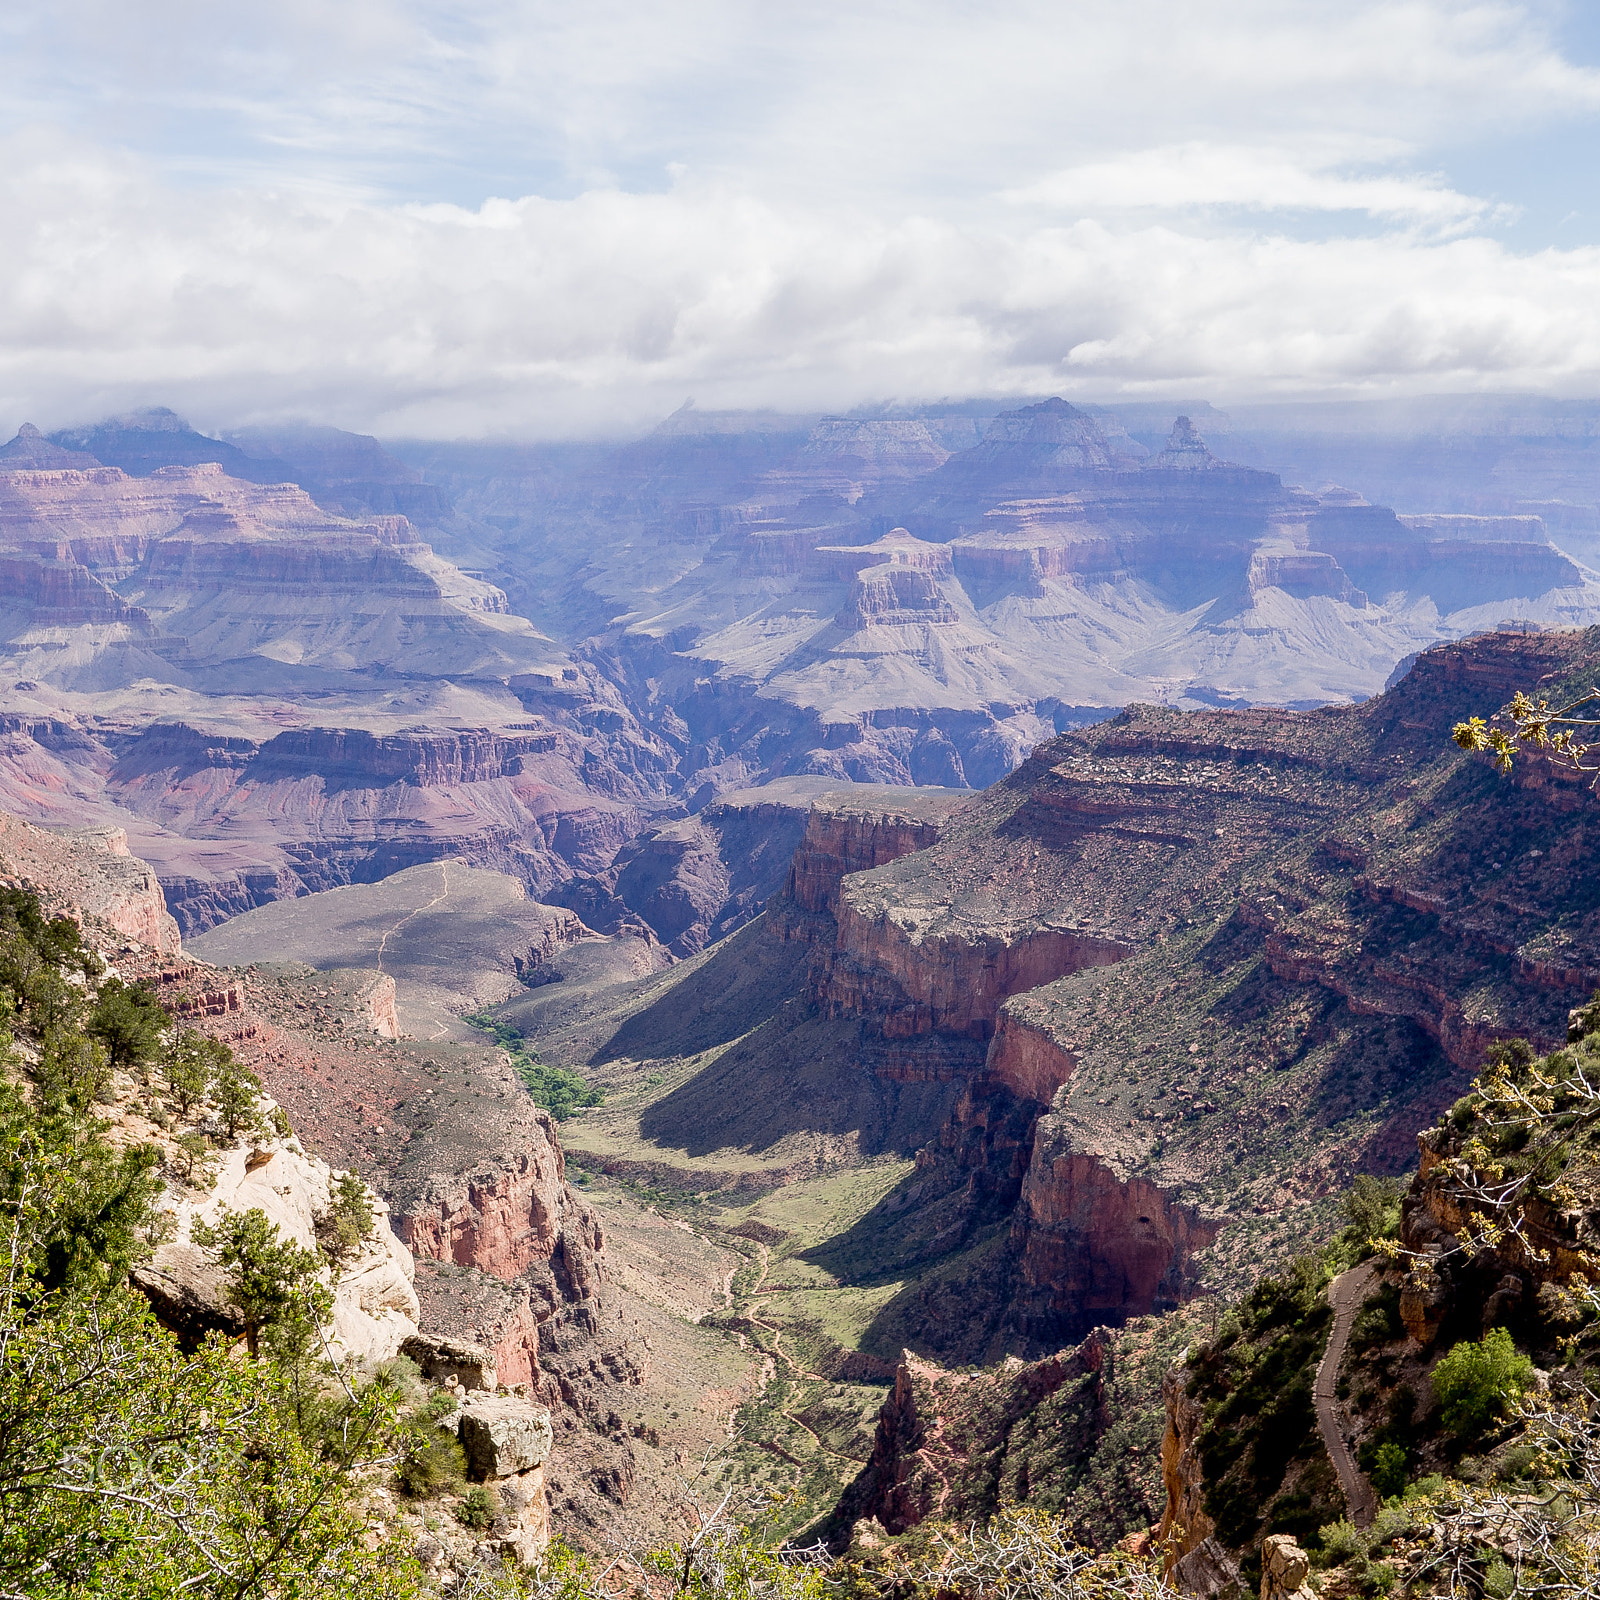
375	1307
507	1441
1063	1434
91	870
1284	1569
882	600
238	606
1164	952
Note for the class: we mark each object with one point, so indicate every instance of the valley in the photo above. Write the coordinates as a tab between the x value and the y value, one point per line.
988	890
993	1073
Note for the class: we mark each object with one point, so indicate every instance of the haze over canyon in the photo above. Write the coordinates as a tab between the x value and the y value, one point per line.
294	659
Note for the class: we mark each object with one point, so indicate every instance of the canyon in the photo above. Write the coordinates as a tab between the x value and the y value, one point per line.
1006	873
1103	1039
290	659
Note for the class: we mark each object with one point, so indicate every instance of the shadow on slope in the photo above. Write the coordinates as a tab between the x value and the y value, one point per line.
796	1073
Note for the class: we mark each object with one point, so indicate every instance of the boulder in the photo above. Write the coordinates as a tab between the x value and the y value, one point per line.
443	1359
1284	1569
504	1435
374	1302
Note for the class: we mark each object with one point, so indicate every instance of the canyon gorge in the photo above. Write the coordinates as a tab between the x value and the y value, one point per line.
1005	873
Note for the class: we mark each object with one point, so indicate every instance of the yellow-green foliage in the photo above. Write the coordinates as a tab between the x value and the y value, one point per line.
1477	1381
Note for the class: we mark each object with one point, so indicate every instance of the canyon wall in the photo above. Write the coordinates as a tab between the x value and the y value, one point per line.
91	869
913	982
1094	1244
853	830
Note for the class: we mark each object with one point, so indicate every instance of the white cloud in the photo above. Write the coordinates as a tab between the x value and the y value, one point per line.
538	315
280	210
1180	177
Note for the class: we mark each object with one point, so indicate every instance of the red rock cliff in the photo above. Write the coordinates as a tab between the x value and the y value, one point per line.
945	981
860	828
1095	1246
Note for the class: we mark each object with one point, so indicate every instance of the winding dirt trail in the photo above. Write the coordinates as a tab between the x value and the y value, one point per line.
1345	1295
440	1031
794	1367
443	894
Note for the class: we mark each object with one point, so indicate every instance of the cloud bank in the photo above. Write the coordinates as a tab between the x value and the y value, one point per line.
296	212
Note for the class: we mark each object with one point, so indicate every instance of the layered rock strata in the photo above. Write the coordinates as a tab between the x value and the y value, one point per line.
1192	943
267	753
92	870
375	1307
507	1442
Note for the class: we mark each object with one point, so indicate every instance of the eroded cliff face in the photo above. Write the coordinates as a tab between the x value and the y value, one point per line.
1191	943
507	1216
912	979
91	870
856	829
1028	1059
1184	1524
253	607
1097	1245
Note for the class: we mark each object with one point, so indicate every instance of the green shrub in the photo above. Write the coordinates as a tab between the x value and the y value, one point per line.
130	1024
1393	1521
236	1090
1342	1542
432	1462
1516	1461
74	1072
479	1507
187	1066
1389	1469
1499	1582
1378	1321
1475	1381
347	1222
1373	1207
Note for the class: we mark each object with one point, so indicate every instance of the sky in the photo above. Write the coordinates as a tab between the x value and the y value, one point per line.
528	220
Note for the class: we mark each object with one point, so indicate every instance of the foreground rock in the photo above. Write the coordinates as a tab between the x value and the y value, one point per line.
507	1441
375	1307
1077	1433
91	871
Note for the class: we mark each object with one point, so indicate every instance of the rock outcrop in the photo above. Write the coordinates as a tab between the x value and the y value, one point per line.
1184	1525
856	829
374	1304
454	1362
1095	1245
1285	1567
1066	1434
91	869
506	1216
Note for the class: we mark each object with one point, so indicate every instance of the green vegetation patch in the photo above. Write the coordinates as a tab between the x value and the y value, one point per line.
560	1091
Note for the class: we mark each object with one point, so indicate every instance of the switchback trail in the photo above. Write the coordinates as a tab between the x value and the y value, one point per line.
794	1367
1345	1295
